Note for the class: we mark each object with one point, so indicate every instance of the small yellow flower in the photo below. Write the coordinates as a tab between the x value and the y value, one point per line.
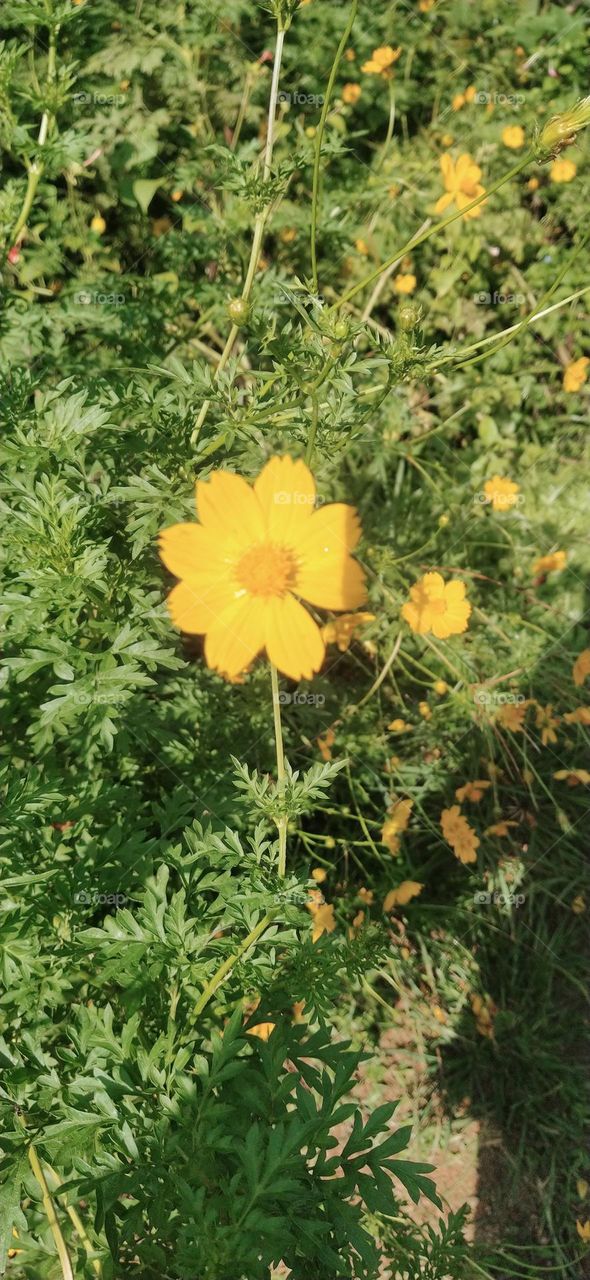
319	875
472	791
405	283
367	896
340	631
484	1011
462	184
513	137
177	195
533	184
575	374
440	687
578	907
459	834
546	722
501	828
351	93
501	492
362	247
511	716
98	224
323	917
257	552
263	1030
439	1014
437	606
396	823
399	726
425	710
458	101
404	893
325	744
573	777
470	93
552	563
563	170
425	5
581	667
288	235
350	55
581	715
381	60
447	139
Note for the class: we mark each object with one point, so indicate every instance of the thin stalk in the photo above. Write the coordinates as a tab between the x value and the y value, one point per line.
282	820
313	426
49	1207
430	231
229	963
35	169
77	1224
318	143
259	225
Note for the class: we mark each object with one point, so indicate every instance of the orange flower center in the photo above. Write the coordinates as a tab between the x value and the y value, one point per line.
267	570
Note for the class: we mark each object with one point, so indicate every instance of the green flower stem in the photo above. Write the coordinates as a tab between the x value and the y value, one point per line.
228	964
282	820
432	230
259	224
313	426
35	169
506	333
318	143
77	1223
49	1207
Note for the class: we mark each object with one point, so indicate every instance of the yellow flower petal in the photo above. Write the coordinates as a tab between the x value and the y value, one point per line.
236	636
286	492
187	550
228	508
197	605
293	640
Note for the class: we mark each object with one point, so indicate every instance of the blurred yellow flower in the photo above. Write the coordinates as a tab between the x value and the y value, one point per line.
573	777
552	563
381	60
513	137
563	170
366	895
582	1188
437	606
325	743
501	492
547	723
98	224
447	139
581	667
579	905
399	726
581	715
351	93
484	1011
473	791
323	916
533	184
457	102
256	552
288	235
263	1030
361	246
440	687
319	875
462	184
501	828
425	710
459	834
404	283
575	374
511	716
404	893
340	631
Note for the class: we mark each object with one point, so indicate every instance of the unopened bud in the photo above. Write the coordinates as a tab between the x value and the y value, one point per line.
561	130
238	311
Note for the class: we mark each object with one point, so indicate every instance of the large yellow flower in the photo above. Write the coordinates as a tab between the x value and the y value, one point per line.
257	549
437	606
462	184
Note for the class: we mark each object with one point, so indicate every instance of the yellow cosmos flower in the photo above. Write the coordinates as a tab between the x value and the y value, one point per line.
533	184
563	170
472	790
501	492
459	834
425	710
581	715
323	919
462	184
341	630
583	1230
405	283
404	893
511	716
319	875
501	828
579	905
367	896
553	563
484	1011
575	374
325	743
382	58
98	224
547	723
256	552
437	606
573	777
396	822
441	687
351	93
362	247
513	137
399	726
581	667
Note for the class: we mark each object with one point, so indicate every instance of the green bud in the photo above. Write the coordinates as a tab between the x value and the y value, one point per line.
409	316
238	311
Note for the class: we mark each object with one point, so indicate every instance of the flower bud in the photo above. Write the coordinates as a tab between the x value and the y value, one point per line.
238	311
409	316
561	130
